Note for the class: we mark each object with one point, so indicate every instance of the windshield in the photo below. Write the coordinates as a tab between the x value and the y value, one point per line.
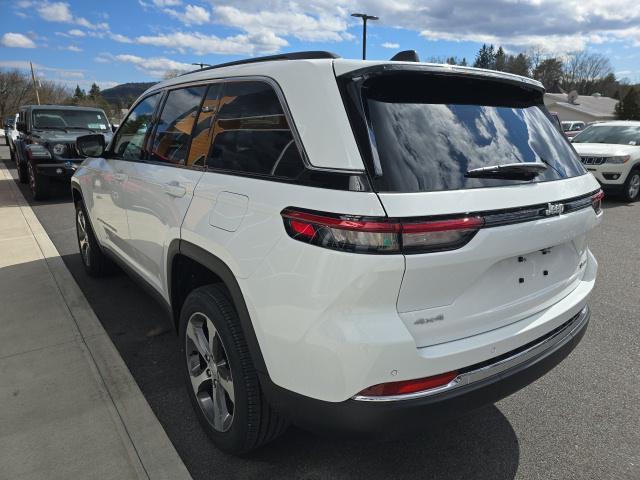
426	133
620	134
68	119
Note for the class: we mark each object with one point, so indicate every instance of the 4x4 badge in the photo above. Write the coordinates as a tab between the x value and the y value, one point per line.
554	209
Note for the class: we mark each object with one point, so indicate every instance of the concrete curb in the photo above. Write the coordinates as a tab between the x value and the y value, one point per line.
141	431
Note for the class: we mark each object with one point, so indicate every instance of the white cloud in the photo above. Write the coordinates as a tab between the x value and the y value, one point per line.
390	45
167	3
73	48
55	12
155	66
16	40
120	38
201	44
76	33
192	15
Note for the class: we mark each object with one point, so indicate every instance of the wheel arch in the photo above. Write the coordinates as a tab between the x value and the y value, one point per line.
190	267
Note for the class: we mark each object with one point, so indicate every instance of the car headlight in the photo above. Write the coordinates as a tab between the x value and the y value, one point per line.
58	149
619	159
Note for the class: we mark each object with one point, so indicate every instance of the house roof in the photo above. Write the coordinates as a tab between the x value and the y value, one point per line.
594	106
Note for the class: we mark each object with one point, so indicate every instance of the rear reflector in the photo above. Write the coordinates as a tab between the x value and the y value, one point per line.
409	386
379	235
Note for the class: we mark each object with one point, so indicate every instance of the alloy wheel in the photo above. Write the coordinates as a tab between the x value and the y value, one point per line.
210	372
83	237
634	185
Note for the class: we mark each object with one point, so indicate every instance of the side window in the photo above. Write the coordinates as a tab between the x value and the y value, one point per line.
201	135
173	132
251	133
130	141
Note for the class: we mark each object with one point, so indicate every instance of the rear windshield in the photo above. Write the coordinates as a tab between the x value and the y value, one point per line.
620	134
70	119
427	131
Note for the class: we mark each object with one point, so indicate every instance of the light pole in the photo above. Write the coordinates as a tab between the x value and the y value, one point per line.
364	18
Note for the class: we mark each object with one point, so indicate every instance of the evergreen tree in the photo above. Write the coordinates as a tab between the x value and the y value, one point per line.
78	94
629	107
549	73
518	65
486	57
94	92
463	63
500	60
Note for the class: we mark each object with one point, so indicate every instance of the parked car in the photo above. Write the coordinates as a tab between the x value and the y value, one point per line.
404	245
611	152
45	150
556	120
571	129
11	132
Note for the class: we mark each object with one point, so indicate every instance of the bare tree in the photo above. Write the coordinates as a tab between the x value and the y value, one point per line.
16	89
583	71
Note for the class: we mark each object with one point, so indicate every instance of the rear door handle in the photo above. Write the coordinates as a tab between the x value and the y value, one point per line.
174	189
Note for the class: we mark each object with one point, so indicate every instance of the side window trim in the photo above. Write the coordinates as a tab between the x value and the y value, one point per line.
195	122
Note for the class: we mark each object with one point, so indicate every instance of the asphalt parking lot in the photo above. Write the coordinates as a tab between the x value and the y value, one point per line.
581	421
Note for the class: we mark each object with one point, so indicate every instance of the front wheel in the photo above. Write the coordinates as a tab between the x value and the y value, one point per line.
222	382
632	186
95	262
23	174
38	184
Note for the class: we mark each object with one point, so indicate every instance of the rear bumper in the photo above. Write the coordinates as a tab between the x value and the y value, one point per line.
485	383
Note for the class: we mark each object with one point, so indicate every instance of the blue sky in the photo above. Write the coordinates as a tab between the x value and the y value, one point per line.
116	41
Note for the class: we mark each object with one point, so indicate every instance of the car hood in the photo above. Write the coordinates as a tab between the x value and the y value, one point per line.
605	149
60	136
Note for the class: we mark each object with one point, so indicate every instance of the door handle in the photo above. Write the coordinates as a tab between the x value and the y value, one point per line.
119	177
174	189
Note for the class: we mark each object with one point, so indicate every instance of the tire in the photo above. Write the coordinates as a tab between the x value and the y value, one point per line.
23	175
40	185
631	190
236	422
12	153
95	262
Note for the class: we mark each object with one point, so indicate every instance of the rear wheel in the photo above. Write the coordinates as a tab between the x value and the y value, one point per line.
96	264
632	186
221	380
38	184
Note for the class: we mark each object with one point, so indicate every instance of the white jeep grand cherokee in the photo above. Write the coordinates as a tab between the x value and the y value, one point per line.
346	245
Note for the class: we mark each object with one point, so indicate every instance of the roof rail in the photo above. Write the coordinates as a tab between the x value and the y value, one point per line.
310	55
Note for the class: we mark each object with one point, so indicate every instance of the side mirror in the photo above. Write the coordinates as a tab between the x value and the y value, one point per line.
91	145
114	127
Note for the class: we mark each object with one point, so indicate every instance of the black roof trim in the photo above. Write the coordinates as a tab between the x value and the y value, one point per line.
308	55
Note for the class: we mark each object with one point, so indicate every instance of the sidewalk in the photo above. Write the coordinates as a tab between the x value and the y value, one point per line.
69	407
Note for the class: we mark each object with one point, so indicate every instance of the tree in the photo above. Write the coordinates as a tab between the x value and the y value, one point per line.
518	64
500	60
16	89
629	107
583	70
549	73
486	57
94	92
463	63
78	94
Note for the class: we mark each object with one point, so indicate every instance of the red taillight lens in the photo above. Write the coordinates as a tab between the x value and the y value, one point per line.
409	386
596	201
379	235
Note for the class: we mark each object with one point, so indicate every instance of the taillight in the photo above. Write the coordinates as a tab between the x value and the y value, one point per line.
379	235
596	201
409	386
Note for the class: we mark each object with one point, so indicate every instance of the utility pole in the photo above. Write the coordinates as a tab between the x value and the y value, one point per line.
364	18
35	85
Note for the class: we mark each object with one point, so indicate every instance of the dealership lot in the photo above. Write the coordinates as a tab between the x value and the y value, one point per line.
580	421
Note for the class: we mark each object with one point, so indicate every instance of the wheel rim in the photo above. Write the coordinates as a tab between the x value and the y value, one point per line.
32	178
210	372
83	237
634	186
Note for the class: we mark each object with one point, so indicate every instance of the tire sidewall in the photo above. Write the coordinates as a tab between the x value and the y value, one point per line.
203	300
635	172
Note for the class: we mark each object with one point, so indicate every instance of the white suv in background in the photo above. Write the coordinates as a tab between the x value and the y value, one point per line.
347	245
611	151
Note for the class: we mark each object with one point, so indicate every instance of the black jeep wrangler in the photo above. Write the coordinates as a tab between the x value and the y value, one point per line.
46	146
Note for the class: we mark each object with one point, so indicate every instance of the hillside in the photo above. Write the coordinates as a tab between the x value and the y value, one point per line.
125	94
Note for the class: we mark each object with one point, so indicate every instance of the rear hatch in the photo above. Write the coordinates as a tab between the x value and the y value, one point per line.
426	137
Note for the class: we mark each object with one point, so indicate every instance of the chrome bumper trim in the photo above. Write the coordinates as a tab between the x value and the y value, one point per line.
545	346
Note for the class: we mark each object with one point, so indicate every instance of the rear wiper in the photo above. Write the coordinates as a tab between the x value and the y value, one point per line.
509	171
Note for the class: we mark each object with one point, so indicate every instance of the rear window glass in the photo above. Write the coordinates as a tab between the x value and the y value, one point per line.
427	132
